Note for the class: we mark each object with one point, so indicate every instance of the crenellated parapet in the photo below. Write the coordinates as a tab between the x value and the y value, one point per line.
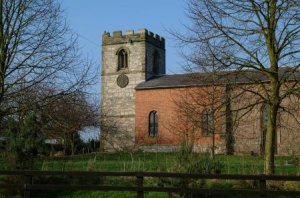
130	36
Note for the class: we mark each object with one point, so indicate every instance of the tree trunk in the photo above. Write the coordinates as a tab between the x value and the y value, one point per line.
213	145
271	130
274	92
65	144
229	140
72	144
2	57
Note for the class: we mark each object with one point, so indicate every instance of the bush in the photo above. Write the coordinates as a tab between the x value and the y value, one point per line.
91	165
186	161
24	142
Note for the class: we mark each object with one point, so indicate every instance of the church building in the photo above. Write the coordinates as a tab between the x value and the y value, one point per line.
144	108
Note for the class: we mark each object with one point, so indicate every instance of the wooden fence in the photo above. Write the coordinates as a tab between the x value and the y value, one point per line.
28	184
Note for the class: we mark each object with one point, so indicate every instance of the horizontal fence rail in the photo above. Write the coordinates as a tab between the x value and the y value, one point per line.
28	185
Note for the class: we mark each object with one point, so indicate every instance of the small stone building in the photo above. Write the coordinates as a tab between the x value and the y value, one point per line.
143	108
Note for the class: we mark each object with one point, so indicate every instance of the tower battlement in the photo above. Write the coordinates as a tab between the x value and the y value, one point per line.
130	36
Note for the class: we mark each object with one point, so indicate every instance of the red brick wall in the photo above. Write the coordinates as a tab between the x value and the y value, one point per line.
174	125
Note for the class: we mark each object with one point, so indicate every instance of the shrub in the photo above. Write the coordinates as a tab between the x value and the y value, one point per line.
91	165
24	141
186	161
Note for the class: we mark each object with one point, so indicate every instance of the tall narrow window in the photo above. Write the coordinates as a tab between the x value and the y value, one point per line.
155	65
153	124
122	59
207	122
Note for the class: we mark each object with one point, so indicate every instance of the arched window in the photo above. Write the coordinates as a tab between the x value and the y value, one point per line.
207	122
153	124
155	65
122	59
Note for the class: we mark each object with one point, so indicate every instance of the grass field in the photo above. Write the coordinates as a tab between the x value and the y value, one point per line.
160	162
156	162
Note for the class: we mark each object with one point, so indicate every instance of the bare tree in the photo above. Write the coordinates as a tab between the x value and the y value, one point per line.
262	36
37	49
202	109
65	116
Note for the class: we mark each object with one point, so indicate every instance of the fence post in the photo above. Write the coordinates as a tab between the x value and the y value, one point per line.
139	183
27	181
185	187
262	187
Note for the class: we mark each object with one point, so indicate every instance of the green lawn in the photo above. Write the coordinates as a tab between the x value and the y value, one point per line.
235	164
156	162
160	162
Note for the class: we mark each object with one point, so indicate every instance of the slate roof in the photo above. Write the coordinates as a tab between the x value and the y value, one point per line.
202	79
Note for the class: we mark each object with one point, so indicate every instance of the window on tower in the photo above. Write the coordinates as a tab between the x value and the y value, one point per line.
122	59
155	63
153	124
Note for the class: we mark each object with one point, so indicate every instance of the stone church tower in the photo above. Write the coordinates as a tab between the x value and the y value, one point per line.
127	60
